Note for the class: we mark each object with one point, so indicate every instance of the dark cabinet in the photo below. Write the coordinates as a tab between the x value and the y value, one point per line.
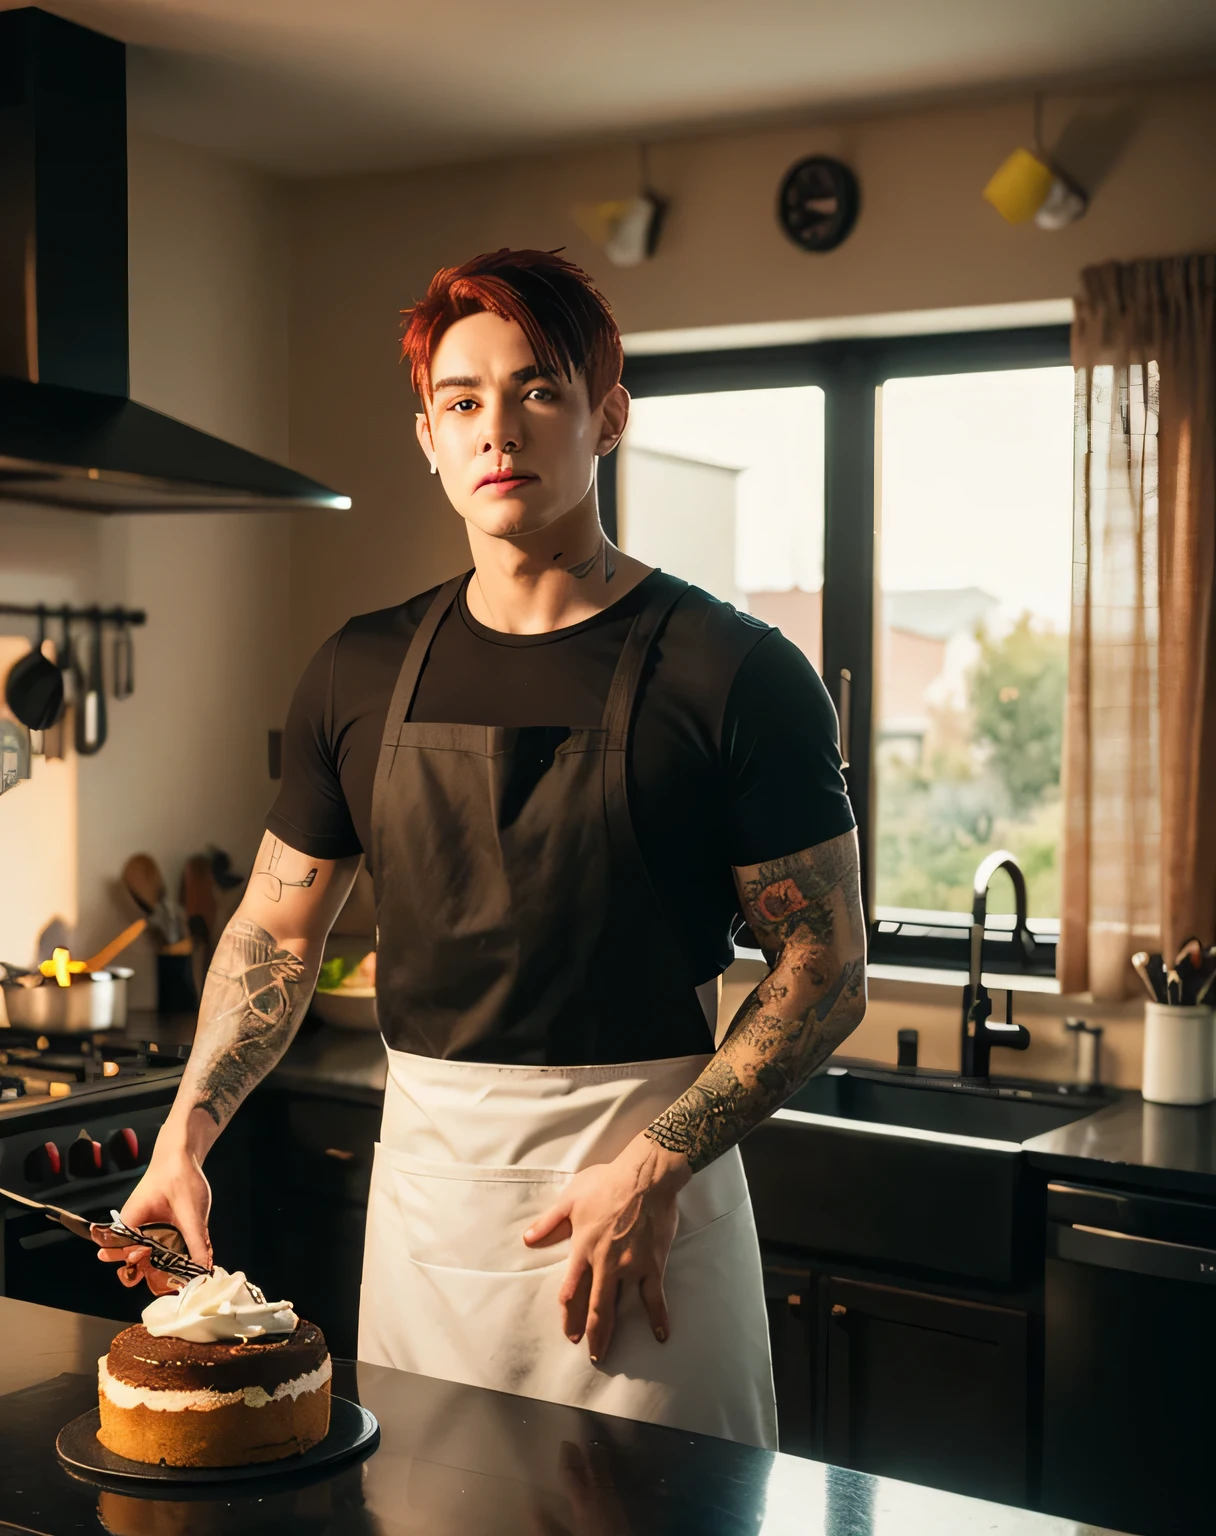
791	1298
314	1156
925	1388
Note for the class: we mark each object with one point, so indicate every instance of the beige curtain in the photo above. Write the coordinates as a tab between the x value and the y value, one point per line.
1139	858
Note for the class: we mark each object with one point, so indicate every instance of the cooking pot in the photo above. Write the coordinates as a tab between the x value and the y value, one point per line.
95	1000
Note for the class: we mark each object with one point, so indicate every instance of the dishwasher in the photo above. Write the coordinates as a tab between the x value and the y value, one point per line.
1129	1420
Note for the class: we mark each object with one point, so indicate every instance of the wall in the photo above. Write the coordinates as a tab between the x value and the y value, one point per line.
185	762
363	247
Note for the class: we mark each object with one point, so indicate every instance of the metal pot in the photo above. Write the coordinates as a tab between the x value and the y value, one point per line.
96	1000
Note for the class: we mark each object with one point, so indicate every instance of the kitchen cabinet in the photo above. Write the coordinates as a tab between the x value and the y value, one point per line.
925	1387
310	1211
901	1382
791	1298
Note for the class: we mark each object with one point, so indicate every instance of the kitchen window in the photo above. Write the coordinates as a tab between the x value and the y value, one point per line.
901	509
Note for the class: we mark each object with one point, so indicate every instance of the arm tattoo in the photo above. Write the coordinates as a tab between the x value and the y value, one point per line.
255	994
806	912
273	889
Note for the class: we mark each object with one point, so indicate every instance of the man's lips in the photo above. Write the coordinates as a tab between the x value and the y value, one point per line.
504	480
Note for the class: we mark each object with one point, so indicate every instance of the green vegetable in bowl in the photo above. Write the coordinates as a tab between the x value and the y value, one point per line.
333	972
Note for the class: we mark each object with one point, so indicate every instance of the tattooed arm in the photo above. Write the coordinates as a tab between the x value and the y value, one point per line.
806	912
621	1216
258	987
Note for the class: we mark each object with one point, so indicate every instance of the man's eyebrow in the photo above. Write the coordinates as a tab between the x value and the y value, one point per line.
455	381
533	371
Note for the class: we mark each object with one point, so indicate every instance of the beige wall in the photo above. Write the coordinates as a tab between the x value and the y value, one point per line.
185	762
365	246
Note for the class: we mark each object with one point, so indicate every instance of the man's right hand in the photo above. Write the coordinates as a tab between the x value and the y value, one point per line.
175	1190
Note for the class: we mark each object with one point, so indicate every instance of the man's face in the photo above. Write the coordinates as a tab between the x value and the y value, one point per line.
515	448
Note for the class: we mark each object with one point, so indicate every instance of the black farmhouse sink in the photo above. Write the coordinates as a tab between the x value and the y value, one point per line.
908	1169
1006	1110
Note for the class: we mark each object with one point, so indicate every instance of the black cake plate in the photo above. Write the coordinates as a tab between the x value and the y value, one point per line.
353	1432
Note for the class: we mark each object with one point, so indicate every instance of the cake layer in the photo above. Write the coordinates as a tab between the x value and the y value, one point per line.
230	1435
177	1365
167	1400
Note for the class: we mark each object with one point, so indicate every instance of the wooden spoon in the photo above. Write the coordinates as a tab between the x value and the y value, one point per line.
142	877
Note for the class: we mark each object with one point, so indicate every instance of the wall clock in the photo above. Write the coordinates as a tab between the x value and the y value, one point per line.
818	202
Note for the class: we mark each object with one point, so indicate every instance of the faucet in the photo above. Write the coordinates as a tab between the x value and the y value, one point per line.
980	1033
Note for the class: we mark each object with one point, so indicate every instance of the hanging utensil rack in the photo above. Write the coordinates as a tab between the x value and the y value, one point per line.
94	613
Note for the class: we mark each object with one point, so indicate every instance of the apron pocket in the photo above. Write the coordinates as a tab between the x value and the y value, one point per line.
463	1216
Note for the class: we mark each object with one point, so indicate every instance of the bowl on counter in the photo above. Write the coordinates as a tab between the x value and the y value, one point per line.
346	988
347	1008
96	1000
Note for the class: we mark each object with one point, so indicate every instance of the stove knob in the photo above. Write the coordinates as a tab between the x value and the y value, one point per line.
43	1163
84	1157
124	1148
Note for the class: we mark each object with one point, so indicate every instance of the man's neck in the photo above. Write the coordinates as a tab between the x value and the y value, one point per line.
548	580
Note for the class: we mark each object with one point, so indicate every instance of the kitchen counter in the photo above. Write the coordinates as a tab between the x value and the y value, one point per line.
1168	1147
1163	1146
457	1461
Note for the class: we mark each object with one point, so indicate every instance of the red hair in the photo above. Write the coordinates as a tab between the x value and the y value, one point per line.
567	321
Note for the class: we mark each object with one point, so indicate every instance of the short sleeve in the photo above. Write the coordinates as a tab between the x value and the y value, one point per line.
310	812
785	788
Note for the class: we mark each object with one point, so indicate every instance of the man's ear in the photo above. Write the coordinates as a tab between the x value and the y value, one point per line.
422	427
615	409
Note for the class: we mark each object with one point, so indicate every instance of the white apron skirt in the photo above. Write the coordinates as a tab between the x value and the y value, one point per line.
470	1154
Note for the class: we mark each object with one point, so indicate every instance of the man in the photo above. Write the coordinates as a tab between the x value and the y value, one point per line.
569	774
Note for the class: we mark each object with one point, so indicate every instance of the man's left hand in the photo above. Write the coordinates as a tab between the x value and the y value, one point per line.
621	1220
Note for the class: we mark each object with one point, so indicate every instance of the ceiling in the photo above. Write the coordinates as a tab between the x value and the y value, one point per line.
307	87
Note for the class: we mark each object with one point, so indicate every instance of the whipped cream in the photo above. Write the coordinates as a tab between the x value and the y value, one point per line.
217	1309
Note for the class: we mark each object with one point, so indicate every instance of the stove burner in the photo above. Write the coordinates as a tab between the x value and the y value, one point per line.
56	1066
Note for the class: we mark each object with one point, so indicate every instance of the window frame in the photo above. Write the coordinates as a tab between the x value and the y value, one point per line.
850	373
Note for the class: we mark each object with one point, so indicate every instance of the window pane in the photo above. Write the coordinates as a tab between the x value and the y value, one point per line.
726	490
975	524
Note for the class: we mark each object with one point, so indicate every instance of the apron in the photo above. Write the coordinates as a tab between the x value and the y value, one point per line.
511	896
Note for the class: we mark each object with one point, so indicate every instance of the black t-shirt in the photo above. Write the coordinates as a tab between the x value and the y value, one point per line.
733	755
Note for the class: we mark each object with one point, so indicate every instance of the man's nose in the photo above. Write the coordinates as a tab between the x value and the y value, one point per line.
501	432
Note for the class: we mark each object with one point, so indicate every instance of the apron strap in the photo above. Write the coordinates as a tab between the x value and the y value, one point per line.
618	717
407	682
627	679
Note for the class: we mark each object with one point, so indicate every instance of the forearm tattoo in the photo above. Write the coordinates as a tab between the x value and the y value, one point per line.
805	911
255	994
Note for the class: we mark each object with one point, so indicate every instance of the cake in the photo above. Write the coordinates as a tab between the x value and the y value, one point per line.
215	1376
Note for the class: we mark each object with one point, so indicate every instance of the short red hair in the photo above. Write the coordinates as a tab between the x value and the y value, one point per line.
567	321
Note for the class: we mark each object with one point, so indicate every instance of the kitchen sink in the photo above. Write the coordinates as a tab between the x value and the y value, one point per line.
1006	1110
909	1169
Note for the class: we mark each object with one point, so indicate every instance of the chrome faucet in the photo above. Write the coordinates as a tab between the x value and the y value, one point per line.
980	1033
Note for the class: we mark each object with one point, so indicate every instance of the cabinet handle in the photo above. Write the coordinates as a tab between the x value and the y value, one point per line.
342	1155
846	715
838	1310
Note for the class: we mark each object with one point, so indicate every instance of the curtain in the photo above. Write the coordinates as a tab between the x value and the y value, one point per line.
1139	855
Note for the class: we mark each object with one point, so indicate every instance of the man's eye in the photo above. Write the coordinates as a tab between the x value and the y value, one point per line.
459	407
541	392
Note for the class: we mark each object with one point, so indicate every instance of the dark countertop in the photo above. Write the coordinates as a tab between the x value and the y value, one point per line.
1168	1147
457	1461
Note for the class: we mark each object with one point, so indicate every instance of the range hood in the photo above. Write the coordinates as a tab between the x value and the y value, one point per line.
70	435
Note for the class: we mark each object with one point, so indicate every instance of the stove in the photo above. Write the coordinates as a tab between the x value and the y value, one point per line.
79	1116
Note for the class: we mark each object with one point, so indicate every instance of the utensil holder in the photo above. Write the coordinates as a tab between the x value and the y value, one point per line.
1179	1055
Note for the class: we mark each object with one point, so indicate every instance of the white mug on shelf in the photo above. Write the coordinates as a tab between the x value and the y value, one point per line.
1179	1055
